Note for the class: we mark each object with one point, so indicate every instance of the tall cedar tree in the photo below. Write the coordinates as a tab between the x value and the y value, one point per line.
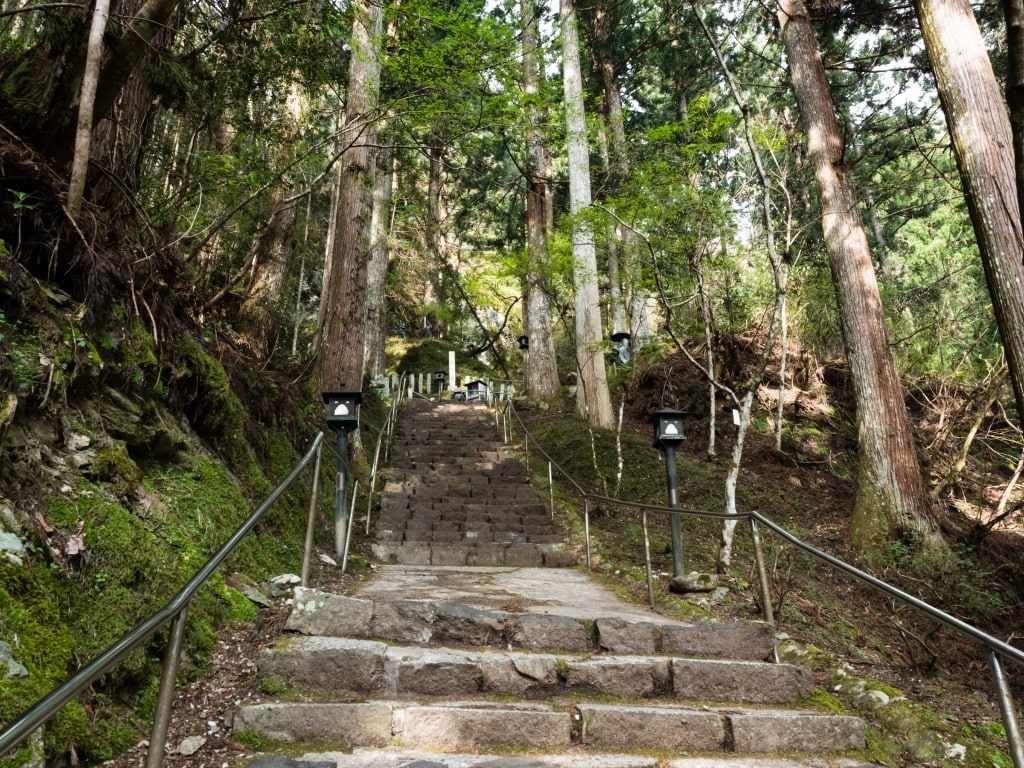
541	369
982	142
343	312
593	399
890	501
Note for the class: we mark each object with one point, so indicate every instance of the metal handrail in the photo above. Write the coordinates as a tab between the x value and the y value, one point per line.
996	647
176	610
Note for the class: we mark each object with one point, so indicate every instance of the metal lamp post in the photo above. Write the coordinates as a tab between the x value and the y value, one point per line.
524	347
668	433
342	417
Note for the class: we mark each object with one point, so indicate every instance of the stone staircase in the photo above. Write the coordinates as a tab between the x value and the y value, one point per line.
440	663
455	496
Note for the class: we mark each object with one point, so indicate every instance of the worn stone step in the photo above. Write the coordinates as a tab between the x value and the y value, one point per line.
399	757
461	726
386	550
448	622
616	727
372	668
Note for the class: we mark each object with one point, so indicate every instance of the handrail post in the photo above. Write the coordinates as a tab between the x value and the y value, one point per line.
351	522
647	560
307	551
766	595
341	521
586	531
165	700
1008	710
551	490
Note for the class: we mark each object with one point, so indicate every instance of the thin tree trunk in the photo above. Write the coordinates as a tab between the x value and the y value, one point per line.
299	314
890	501
593	399
344	298
86	102
380	225
262	312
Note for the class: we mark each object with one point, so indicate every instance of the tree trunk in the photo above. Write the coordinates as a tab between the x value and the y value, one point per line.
1013	10
541	366
343	309
262	313
890	501
593	399
623	272
86	102
982	141
380	226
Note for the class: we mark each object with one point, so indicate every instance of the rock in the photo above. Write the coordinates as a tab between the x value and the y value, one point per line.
15	669
8	520
190	745
82	459
694	582
12	548
871	700
282	585
78	442
254	594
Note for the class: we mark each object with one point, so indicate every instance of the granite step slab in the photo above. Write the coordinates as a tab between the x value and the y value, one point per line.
335	665
391	551
398	757
598	728
451	622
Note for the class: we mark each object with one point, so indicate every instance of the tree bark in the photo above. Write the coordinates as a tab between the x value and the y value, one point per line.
540	362
593	399
380	225
890	501
982	141
1013	11
343	310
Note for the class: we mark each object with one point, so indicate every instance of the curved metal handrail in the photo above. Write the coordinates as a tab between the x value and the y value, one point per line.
997	648
176	610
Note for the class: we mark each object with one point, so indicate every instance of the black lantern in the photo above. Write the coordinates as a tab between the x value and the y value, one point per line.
524	343
668	428
439	377
342	410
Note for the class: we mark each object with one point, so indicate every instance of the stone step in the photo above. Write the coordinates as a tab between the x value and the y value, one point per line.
398	757
458	726
483	554
369	668
432	622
